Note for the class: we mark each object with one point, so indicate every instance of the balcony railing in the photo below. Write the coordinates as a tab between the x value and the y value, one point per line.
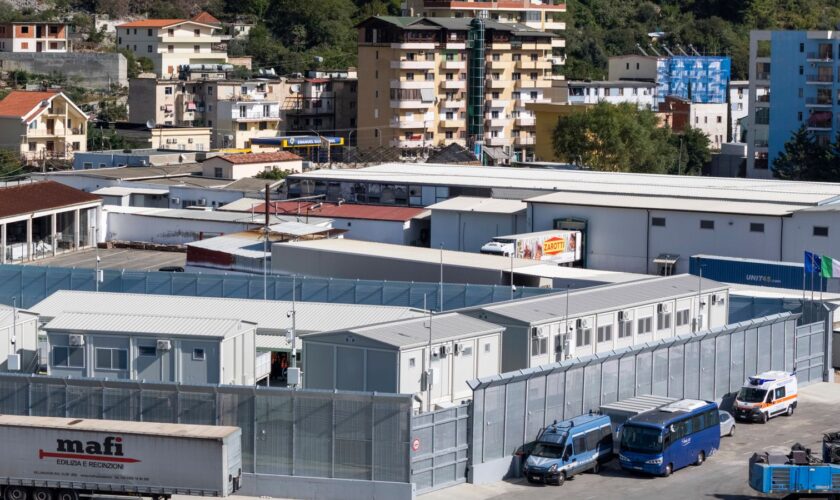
820	56
823	78
762	75
819	101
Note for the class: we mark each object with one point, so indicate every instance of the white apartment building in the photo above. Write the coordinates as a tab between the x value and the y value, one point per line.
614	92
171	43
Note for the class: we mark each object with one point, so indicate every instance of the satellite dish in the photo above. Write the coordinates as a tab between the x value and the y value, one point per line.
45	103
150	124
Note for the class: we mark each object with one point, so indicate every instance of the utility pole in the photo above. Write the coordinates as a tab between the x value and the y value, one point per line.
429	370
512	286
699	318
265	242
441	278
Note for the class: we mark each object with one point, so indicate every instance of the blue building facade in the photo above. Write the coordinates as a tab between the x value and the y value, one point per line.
804	87
700	79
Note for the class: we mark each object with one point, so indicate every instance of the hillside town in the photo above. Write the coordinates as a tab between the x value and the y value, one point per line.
422	249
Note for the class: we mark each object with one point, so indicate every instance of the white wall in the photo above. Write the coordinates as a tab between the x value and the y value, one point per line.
135	227
620	239
468	232
395	232
799	235
712	120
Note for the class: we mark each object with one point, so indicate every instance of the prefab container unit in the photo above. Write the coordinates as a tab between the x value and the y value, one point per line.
392	357
152	348
64	458
18	340
555	327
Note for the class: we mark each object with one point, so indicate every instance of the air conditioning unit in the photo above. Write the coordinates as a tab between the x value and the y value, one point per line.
202	202
579	323
663	308
445	350
717	299
587	323
175	201
164	345
13	362
76	340
538	332
625	315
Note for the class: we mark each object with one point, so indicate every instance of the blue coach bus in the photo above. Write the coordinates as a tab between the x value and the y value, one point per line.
671	437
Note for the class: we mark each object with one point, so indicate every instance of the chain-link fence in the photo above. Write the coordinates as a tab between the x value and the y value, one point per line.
284	432
32	284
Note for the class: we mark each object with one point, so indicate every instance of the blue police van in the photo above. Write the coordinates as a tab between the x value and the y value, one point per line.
671	437
570	447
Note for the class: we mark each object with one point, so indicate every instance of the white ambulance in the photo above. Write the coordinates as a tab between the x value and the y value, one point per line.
766	395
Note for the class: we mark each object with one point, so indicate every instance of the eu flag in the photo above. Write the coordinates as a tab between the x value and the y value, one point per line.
812	263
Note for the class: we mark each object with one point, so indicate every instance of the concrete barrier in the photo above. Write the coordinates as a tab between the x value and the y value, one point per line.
91	70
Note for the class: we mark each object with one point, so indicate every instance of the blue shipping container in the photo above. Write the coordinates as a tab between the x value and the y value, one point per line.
755	272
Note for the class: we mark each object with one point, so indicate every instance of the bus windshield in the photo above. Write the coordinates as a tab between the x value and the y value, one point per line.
751	395
548	450
641	439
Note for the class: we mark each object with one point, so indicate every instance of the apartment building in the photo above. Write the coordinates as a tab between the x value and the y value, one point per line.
236	111
324	102
614	92
42	125
793	76
544	15
172	43
700	79
709	118
33	37
413	84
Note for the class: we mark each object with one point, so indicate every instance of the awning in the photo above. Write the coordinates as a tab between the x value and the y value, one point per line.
427	95
668	259
191	106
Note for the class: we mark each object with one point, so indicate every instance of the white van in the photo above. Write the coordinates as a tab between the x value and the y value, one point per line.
766	395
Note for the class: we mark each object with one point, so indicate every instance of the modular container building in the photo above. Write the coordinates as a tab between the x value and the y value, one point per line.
65	458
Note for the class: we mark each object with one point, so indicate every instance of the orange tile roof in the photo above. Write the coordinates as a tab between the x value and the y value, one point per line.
206	18
261	157
19	103
152	23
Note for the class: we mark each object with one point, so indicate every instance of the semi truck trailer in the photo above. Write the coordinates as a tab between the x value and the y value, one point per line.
561	247
49	458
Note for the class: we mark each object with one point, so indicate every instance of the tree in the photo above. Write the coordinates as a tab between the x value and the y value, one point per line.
275	174
806	159
615	138
10	164
692	152
145	64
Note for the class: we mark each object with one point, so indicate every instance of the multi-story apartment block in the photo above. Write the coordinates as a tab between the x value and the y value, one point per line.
324	102
639	93
42	125
542	15
414	88
172	43
236	111
795	78
33	37
709	118
700	79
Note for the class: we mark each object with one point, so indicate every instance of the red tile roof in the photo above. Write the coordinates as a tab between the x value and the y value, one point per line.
206	18
261	157
152	23
38	196
343	211
20	103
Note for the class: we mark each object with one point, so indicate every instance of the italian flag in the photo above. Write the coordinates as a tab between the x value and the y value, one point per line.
830	267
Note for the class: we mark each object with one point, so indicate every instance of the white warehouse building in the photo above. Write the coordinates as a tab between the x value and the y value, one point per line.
552	328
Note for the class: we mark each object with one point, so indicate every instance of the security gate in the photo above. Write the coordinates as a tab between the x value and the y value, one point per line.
811	352
438	448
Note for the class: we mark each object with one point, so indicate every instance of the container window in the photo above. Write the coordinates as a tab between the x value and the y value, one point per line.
198	354
820	231
657	221
147	350
707	224
756	227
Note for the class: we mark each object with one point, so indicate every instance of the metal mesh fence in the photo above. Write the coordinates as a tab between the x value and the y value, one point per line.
508	411
29	285
284	432
440	441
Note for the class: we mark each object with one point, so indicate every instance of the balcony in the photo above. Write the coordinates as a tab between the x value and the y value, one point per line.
452	104
407	143
406	64
454	84
524	141
414	45
409	124
456	45
453	123
499	84
412	84
762	75
498	103
526	121
820	79
533	84
760	143
816	102
409	104
454	64
497	122
527	65
497	141
822	56
500	64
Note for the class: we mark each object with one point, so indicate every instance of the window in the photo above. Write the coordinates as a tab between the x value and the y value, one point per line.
820	231
592	438
171	32
88	165
756	227
707	224
583	337
197	32
657	221
217	172
24	29
625	329
720	119
605	333
488	347
780	393
411	363
24	45
801	47
111	359
146	350
170	48
645	325
580	443
682	317
539	346
149	49
663	320
243	127
33	146
149	32
198	354
68	357
53	30
196	48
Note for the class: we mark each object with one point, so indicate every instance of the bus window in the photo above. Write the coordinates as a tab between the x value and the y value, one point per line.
697	423
641	439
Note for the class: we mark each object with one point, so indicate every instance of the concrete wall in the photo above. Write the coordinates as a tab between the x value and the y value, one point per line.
136	227
266	485
381	231
469	231
89	70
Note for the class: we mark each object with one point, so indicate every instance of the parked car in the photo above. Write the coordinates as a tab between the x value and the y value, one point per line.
570	447
727	424
766	395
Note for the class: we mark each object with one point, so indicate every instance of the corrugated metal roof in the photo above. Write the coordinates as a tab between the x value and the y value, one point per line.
415	332
213	215
682	186
549	308
270	316
276	343
481	205
121	426
125	191
666	203
146	324
242	204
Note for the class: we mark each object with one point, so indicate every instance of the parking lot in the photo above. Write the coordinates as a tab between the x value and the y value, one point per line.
117	258
723	476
